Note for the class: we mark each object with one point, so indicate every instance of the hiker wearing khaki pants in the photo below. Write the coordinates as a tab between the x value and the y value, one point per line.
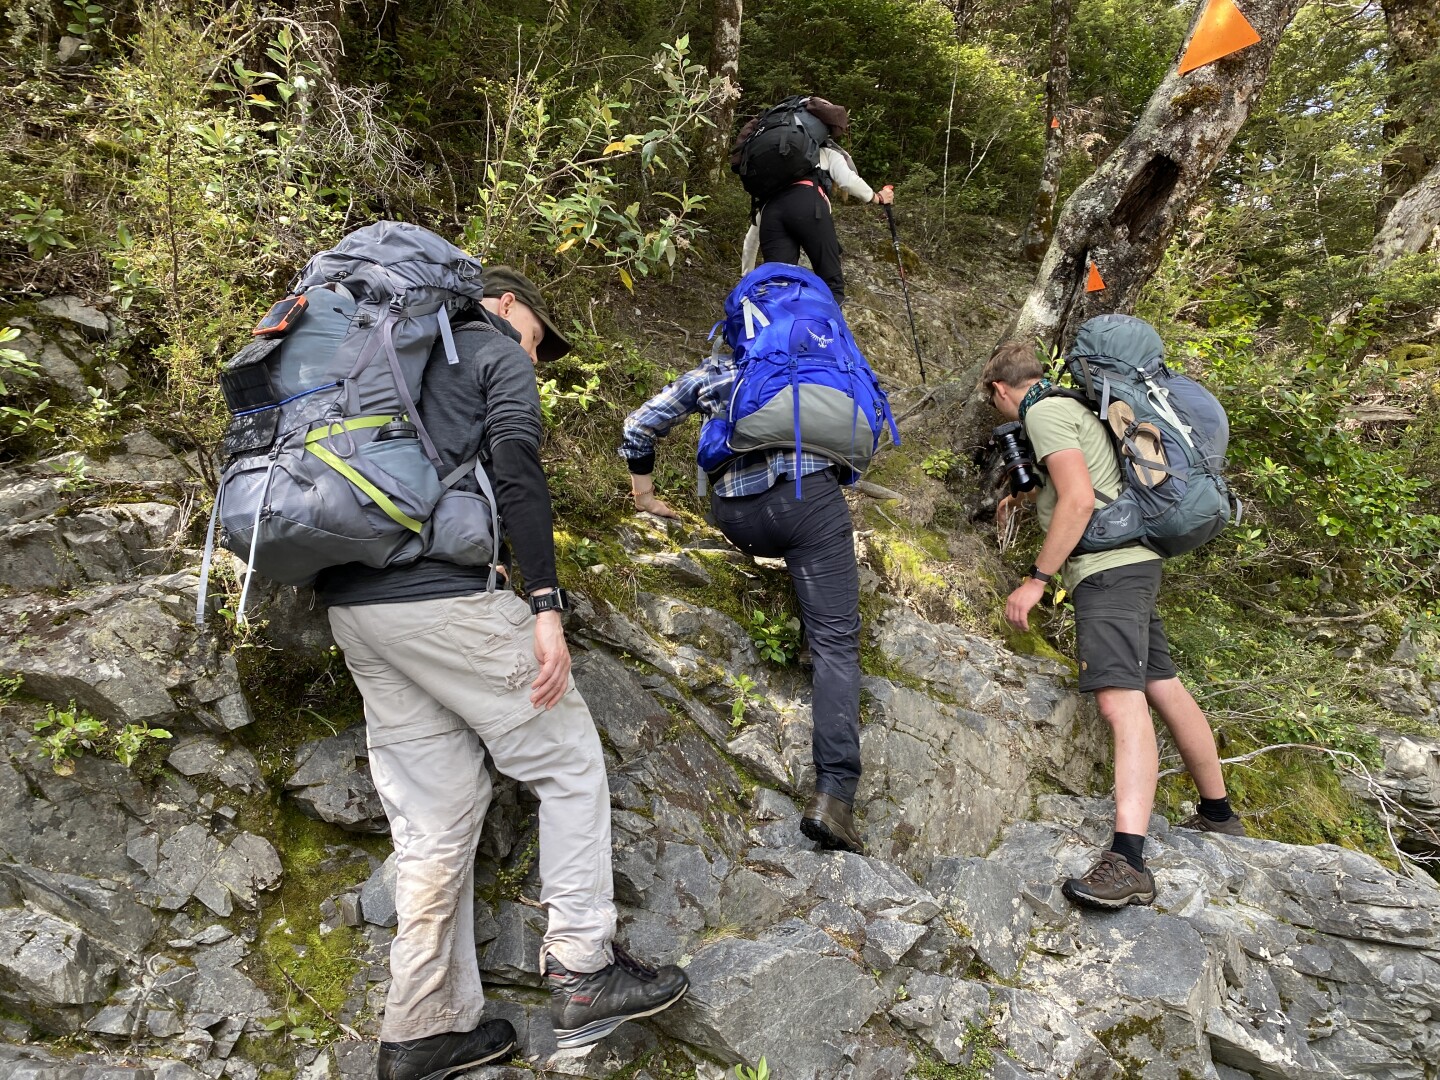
1123	655
453	665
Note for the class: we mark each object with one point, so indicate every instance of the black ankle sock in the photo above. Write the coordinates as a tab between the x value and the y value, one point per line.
1216	809
1132	846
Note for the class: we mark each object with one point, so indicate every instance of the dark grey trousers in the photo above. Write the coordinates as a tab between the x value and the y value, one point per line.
815	537
799	217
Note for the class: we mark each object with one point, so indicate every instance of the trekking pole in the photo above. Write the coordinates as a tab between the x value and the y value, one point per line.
904	285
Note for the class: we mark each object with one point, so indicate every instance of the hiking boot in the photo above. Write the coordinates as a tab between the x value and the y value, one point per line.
1110	883
830	822
1231	826
438	1056
585	1007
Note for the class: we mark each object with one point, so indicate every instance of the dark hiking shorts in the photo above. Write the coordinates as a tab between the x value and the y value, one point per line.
1118	632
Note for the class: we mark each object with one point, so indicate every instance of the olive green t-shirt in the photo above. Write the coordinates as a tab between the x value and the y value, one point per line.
1061	423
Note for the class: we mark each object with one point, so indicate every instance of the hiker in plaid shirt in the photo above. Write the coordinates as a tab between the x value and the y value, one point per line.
762	516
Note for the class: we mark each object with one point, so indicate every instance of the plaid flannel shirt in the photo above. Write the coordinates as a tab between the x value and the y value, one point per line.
706	390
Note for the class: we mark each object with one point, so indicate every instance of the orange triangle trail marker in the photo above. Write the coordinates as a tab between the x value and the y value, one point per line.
1094	283
1054	121
1223	30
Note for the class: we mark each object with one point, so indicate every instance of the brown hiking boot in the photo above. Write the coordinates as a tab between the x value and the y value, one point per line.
1110	883
831	823
1231	826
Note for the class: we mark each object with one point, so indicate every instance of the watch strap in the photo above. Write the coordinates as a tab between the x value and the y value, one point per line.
1038	575
555	600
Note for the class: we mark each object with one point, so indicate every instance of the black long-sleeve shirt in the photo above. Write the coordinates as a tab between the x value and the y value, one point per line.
487	404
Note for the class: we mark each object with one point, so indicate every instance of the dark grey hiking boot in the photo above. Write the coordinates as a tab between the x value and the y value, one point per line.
830	822
585	1007
1231	826
1111	883
438	1056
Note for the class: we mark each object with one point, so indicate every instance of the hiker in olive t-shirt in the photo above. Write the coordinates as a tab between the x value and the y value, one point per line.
1124	657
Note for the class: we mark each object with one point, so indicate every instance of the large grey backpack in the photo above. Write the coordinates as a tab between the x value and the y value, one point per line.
1170	434
326	459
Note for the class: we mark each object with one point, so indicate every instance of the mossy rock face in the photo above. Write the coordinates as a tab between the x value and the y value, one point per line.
1413	354
1032	643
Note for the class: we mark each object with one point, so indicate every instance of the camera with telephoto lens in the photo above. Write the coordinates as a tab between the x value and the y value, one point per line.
1015	457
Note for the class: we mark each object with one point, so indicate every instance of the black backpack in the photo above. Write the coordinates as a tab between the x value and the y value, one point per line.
782	147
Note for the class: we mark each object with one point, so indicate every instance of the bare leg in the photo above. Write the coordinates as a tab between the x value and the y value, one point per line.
1191	732
1137	759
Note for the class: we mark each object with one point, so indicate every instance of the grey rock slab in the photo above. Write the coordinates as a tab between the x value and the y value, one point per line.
987	898
868	1061
685	567
1388	996
941	951
712	633
942	1011
1263	1041
1410	775
695	878
377	895
57	368
51	970
77	824
195	863
514	955
758	749
657	938
143	459
355	1060
870	885
633	721
887	941
767	804
106	544
1042	1035
27	498
332	783
105	910
936	778
73	310
128	653
774	999
1340	892
1118	955
231	765
210	990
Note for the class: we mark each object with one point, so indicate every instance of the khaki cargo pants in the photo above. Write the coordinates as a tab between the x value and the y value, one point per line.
444	682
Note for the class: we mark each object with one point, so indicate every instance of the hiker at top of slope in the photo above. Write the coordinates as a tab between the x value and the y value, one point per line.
776	469
452	668
790	163
1124	657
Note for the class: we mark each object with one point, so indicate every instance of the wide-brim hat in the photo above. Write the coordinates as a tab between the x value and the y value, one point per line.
500	280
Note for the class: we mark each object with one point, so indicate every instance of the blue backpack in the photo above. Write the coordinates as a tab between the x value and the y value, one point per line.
801	382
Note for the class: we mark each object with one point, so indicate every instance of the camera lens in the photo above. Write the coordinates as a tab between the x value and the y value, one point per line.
1016	457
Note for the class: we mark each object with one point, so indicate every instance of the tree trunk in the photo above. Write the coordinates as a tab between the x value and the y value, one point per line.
724	63
1122	218
1414	29
1413	224
1057	90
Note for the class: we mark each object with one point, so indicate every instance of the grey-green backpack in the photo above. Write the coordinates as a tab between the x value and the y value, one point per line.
326	459
1173	499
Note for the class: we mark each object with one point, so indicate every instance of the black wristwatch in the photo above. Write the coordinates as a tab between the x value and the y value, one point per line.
1036	573
556	600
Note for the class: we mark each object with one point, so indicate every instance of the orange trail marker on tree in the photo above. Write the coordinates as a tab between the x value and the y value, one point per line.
1094	283
1054	121
1223	30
